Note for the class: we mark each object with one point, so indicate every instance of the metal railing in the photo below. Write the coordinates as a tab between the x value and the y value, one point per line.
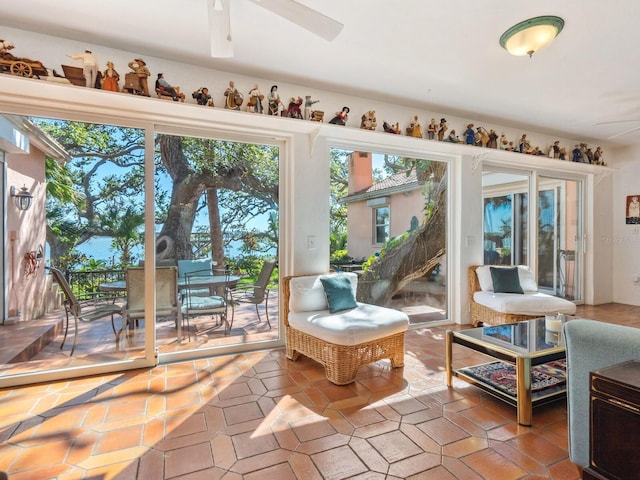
86	283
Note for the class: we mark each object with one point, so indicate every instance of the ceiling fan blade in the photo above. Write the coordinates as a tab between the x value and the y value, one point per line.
220	28
623	133
615	122
303	16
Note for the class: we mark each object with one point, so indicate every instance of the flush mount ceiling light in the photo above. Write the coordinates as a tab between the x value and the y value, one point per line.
532	35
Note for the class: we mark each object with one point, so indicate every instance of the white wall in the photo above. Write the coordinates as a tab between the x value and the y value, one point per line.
305	174
626	238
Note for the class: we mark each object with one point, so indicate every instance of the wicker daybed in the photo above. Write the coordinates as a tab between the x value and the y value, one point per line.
339	351
481	314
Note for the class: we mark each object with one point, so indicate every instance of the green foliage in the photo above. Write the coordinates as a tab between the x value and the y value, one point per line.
339	256
337	242
71	261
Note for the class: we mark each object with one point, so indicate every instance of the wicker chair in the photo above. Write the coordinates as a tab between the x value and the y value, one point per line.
484	315
341	362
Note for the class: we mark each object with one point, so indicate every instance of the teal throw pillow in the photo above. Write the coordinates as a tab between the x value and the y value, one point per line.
506	280
339	293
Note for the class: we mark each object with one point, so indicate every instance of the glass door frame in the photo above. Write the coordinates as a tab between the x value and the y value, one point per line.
282	143
534	179
452	162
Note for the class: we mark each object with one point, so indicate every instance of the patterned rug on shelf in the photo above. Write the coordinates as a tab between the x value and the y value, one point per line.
545	378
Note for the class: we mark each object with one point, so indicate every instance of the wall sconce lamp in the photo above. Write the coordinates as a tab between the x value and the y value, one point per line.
532	35
21	198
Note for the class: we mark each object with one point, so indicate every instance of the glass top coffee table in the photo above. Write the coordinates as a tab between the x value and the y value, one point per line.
523	345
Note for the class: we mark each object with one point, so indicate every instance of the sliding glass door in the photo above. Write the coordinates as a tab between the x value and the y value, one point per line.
559	236
555	221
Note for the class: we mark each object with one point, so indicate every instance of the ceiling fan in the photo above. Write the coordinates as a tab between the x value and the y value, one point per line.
303	16
624	132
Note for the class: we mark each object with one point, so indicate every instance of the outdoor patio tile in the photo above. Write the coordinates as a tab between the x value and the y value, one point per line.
489	464
153	432
259	462
252	443
464	447
564	470
338	463
394	446
323	443
521	459
189	459
424	441
366	451
303	467
539	448
312	427
224	455
413	465
442	431
123	436
112	458
117	439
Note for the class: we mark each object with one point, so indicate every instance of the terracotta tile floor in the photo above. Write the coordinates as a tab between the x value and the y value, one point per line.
261	416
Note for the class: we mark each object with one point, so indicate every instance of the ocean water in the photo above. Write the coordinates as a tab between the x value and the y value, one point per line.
99	248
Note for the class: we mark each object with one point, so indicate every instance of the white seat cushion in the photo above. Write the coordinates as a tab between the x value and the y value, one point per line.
350	327
528	304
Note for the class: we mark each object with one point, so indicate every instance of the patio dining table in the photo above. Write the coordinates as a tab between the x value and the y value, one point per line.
211	281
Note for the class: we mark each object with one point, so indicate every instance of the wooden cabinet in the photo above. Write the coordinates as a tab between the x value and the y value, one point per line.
615	423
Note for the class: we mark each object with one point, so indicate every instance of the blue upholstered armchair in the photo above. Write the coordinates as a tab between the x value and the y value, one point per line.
591	345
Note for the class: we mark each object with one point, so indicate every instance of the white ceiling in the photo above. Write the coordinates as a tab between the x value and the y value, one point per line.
439	56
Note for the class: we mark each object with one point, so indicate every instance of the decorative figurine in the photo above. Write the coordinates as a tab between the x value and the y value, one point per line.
469	135
522	145
483	137
563	154
255	100
110	79
414	129
317	116
503	141
493	139
555	150
5	46
368	120
274	103
165	88
442	128
575	154
202	97
308	103
341	117
234	97
597	156
387	127
139	67
294	110
432	128
89	67
453	138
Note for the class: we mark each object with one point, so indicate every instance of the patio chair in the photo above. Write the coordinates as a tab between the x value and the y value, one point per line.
255	293
195	304
167	302
86	310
